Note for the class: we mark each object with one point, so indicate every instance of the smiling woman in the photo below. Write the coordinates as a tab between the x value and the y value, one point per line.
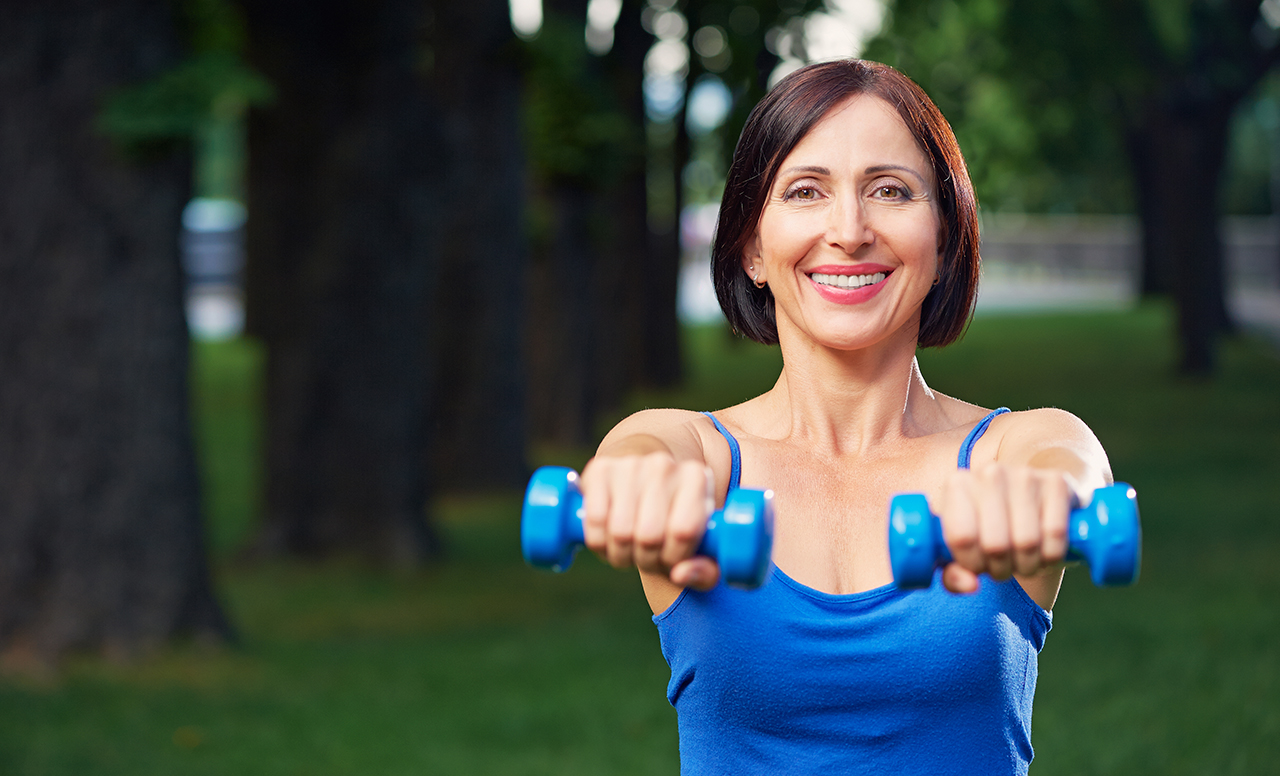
848	236
873	204
785	116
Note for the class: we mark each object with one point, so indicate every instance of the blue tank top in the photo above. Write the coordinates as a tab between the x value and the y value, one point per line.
786	679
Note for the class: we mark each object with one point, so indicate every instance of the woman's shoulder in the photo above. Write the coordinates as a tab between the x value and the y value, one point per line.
1020	435
1042	421
688	434
963	416
663	423
679	429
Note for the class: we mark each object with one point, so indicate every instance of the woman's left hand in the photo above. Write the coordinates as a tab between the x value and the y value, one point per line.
1003	520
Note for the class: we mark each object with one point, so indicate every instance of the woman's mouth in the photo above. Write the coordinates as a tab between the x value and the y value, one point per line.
848	281
852	285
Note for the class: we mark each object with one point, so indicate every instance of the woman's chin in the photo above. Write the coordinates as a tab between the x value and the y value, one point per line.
852	332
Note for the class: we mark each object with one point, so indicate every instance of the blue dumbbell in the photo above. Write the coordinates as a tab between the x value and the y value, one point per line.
739	537
1106	535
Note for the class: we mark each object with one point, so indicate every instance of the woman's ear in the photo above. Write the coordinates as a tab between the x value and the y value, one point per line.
752	264
941	257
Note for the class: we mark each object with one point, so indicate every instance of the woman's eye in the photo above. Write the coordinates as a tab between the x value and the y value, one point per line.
804	193
891	191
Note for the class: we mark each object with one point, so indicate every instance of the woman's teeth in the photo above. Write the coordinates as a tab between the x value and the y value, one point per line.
848	281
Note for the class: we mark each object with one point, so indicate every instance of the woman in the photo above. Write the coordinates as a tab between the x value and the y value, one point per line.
848	236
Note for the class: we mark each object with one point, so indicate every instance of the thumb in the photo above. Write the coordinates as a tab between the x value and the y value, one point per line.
699	572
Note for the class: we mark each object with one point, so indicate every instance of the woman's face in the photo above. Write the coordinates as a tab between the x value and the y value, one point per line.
850	237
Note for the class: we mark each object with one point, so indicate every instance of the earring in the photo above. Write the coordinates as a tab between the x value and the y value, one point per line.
937	278
757	281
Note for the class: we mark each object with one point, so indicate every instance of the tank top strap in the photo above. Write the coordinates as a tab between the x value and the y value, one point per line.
735	471
966	448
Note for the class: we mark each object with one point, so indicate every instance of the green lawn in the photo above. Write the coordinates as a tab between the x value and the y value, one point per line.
483	666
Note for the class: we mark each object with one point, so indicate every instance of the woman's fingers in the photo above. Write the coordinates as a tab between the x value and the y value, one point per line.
1025	521
1057	501
993	522
1002	521
690	508
648	493
596	501
651	522
959	579
619	523
960	522
647	511
698	572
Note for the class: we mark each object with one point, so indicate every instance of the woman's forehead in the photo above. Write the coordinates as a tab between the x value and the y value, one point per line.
862	128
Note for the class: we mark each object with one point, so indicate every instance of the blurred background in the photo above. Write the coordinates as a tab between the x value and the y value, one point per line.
294	296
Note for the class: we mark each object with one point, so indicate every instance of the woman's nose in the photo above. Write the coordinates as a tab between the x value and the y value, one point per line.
849	228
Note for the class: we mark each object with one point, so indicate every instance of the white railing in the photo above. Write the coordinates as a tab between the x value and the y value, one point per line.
1094	261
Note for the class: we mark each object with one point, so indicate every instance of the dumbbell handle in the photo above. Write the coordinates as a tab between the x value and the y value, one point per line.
1106	535
739	537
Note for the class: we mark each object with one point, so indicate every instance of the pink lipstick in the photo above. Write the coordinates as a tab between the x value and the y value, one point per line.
848	284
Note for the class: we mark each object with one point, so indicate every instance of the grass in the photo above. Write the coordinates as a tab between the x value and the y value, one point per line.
482	666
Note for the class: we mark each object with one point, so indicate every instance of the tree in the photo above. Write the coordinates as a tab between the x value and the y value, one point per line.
649	324
385	260
478	409
101	544
603	292
572	128
1176	132
1158	81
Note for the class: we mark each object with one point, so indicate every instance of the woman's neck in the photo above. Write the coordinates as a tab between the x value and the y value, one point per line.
849	401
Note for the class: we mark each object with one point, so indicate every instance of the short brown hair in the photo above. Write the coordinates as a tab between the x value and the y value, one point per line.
773	129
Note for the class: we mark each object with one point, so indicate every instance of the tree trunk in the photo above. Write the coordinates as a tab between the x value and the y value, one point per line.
565	327
1178	164
655	273
639	344
101	545
663	366
564	335
662	326
1154	268
344	175
479	430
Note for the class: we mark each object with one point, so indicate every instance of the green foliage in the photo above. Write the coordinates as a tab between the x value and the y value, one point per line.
1253	181
1043	96
211	83
214	26
574	127
175	103
1031	145
483	666
1170	23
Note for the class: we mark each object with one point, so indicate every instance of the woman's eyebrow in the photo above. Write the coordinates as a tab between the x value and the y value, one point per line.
879	168
806	168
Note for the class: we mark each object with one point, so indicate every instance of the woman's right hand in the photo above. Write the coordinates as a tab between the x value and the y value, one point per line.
644	508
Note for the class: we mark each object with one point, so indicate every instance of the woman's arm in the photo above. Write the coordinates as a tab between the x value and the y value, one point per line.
1008	517
647	495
